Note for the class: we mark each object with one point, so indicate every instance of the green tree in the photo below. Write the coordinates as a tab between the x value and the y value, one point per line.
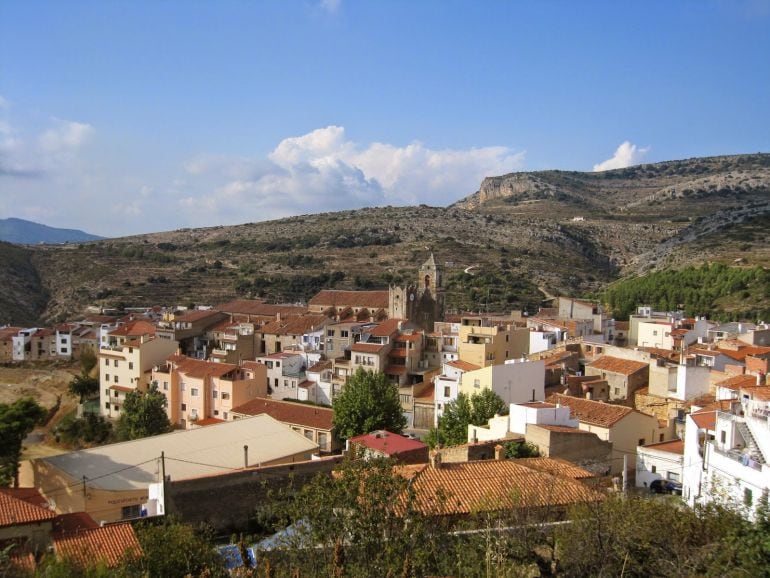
464	411
173	549
84	387
521	449
143	415
16	421
368	402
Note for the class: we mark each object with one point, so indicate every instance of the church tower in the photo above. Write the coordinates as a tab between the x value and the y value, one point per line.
421	303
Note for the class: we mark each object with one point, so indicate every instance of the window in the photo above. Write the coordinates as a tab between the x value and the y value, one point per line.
165	386
214	394
107	362
286	383
343	333
224	415
116	393
115	407
106	405
748	497
182	386
127	512
225	395
216	412
184	407
115	363
322	440
476	383
116	379
278	364
641	442
723	437
107	376
653	469
673	476
655	333
107	392
131	365
617	391
194	391
446	391
309	434
330	333
660	438
507	337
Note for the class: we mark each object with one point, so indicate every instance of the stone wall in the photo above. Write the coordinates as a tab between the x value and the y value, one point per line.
229	501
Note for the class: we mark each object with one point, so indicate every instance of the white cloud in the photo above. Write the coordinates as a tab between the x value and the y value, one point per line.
65	135
626	155
4	102
331	6
324	171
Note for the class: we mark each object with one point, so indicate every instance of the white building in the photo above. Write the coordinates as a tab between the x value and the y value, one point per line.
659	461
447	385
725	453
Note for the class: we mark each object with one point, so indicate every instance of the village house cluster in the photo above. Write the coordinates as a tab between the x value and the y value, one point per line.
659	398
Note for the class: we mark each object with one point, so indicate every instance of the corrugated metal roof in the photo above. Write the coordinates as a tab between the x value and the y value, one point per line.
191	453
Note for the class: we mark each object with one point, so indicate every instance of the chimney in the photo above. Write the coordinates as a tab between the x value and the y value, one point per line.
499	452
435	459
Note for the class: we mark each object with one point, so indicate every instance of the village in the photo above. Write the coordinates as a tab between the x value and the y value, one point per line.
660	403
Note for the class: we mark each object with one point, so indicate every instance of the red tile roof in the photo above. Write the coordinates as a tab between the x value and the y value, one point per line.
255	307
618	365
463	365
464	488
134	329
556	466
563	429
196	315
386	328
673	447
15	511
737	382
320	366
338	298
705	419
396	370
107	544
759	392
591	412
388	443
289	412
121	388
367	347
208	421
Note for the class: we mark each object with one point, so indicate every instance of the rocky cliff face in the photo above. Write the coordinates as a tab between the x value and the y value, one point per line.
513	185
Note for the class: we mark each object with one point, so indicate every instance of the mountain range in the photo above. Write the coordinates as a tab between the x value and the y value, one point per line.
518	239
24	232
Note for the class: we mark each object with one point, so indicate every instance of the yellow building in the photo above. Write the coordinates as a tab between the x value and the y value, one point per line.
485	345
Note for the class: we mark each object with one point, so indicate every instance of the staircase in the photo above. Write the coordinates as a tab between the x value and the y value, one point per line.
751	444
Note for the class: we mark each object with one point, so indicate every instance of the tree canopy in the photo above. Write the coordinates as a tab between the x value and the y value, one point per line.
368	402
143	415
84	386
16	421
698	290
459	414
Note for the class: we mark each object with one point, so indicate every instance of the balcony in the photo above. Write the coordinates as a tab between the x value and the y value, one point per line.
738	456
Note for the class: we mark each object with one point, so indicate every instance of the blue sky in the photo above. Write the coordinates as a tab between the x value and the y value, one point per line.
123	117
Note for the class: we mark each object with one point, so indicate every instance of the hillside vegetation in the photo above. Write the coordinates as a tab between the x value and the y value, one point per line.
722	292
562	232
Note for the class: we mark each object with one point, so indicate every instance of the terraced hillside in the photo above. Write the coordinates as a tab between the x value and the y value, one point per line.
559	231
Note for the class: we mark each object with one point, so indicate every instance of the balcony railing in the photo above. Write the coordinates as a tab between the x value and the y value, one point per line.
738	456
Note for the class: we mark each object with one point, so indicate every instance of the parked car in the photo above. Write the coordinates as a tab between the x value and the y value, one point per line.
666	487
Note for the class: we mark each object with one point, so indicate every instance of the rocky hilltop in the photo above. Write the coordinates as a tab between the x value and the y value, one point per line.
518	237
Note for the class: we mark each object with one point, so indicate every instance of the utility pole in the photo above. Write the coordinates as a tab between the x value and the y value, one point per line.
625	473
163	480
